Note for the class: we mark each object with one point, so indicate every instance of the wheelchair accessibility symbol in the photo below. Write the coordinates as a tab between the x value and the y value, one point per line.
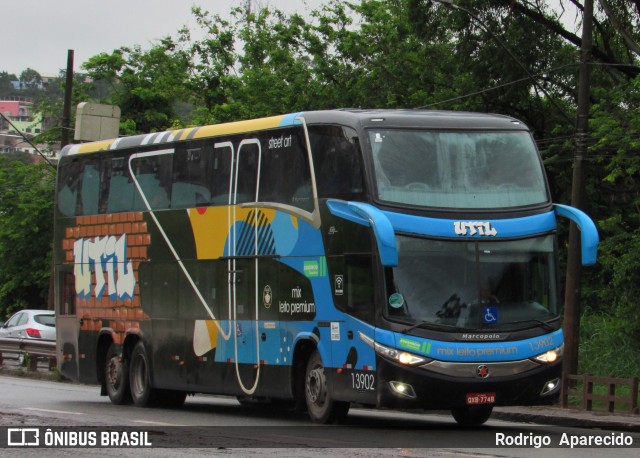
490	315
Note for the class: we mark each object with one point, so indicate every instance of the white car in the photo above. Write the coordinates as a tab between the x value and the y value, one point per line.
31	324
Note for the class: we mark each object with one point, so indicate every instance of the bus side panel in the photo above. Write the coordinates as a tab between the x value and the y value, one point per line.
87	340
192	352
351	293
354	377
67	331
67	322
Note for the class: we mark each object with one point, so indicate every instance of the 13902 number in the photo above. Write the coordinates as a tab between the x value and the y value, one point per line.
363	381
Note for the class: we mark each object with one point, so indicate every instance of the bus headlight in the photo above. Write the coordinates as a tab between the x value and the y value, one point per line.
550	356
401	357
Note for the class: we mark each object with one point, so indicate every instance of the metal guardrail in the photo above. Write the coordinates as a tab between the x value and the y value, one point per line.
31	346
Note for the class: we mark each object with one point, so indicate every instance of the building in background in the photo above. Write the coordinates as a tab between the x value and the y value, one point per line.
20	113
23	122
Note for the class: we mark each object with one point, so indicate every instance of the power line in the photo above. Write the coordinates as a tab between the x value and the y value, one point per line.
534	80
500	86
28	141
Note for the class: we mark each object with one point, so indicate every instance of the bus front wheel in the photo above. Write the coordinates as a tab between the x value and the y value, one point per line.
320	405
472	415
116	376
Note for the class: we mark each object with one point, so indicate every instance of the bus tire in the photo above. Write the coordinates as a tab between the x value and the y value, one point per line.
472	415
142	393
320	405
116	376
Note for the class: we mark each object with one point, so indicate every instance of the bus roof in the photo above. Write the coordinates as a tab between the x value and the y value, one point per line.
407	118
356	118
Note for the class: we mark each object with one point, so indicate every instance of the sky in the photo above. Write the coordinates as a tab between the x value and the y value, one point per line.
38	33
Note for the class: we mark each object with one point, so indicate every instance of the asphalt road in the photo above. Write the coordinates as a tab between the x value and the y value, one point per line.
220	425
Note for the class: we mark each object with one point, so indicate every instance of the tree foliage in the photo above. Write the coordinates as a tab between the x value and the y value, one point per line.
518	58
26	232
146	85
6	88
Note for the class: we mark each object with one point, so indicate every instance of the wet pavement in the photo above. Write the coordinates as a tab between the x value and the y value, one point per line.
544	415
551	415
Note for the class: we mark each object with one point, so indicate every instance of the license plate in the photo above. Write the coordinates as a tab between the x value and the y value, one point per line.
481	398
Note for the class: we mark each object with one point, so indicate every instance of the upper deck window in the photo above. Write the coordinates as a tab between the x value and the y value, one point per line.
338	162
460	170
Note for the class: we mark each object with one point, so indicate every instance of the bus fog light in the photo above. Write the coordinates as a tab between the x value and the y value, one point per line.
403	389
550	387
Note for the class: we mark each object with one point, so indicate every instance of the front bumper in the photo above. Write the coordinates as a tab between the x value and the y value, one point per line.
434	390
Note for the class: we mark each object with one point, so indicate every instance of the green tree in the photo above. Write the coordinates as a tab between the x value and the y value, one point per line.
49	101
6	88
30	83
26	232
146	85
30	78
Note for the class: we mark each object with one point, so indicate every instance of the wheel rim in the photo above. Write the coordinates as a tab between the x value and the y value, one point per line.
114	373
139	379
316	387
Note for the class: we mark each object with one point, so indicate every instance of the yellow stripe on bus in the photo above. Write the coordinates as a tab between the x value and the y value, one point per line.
193	132
239	127
93	147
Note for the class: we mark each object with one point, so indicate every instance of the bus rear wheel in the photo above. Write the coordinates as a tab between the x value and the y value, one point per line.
320	405
141	391
472	415
116	376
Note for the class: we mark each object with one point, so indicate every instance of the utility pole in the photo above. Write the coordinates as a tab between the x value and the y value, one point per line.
66	111
574	262
64	141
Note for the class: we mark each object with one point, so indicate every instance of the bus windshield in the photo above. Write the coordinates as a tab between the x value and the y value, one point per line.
457	170
473	285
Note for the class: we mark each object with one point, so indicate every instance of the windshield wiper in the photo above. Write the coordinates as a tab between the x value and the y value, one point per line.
449	327
434	326
544	324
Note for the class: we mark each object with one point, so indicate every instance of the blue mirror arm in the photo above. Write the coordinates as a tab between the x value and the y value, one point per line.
368	215
588	233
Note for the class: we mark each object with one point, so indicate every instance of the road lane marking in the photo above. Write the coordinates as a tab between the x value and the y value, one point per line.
54	411
155	423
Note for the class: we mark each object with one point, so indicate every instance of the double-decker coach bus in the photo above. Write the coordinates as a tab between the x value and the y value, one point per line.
388	258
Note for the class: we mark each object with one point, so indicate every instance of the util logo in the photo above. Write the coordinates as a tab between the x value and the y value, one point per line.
471	228
103	256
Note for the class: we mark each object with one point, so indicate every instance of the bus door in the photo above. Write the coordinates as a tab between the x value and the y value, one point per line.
243	265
